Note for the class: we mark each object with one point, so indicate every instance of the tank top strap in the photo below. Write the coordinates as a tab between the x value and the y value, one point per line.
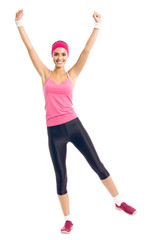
68	75
50	74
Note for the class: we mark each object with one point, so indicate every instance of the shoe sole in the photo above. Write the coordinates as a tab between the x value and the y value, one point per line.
66	231
126	212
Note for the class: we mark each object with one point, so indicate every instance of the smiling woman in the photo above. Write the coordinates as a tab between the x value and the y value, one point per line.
59	56
60	53
63	124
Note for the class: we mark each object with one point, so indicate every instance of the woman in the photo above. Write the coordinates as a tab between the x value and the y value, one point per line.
63	124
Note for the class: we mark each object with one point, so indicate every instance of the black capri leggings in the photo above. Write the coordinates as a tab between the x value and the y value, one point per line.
58	137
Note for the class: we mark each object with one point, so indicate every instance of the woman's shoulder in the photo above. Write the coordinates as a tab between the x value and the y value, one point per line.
45	75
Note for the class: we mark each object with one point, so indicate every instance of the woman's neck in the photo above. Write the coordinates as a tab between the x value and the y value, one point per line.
59	71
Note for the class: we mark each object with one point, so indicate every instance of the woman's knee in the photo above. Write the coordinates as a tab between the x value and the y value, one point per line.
61	185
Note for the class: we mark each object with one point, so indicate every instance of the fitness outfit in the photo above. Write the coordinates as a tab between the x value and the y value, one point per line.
63	126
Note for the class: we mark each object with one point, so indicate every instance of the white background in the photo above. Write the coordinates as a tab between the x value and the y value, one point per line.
111	101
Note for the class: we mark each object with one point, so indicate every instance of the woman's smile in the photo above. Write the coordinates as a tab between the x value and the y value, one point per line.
59	62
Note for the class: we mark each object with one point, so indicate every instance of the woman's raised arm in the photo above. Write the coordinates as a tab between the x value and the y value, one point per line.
77	68
38	64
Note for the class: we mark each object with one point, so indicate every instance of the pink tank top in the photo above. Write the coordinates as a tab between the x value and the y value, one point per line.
58	101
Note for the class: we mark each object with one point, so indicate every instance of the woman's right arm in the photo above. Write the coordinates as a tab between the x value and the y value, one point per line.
38	64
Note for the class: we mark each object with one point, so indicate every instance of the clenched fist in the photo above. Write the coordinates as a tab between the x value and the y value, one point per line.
19	15
97	17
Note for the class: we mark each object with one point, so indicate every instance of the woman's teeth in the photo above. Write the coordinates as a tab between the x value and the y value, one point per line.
59	62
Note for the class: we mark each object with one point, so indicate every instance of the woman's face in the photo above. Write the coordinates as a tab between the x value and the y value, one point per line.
60	57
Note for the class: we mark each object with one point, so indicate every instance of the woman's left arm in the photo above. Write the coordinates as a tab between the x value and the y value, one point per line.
77	68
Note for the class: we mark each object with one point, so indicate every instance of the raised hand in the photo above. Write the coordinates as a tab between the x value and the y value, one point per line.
19	15
97	17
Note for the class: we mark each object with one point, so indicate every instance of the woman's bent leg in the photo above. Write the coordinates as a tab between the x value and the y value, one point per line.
83	143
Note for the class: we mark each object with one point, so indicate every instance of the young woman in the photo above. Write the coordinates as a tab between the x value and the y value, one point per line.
63	124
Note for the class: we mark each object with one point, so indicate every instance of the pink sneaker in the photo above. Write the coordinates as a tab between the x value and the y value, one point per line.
126	208
67	227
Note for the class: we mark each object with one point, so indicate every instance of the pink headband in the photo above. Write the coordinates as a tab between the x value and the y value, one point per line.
60	44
